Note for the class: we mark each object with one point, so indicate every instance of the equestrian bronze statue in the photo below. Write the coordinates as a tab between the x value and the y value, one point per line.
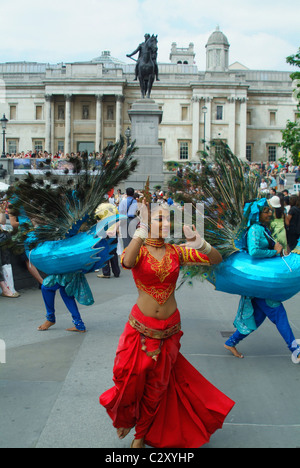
146	69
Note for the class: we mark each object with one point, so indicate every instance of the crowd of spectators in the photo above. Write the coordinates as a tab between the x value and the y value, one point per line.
45	155
272	175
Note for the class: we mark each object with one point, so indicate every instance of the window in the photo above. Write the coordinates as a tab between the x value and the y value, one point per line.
272	153
272	118
249	153
61	146
85	112
108	142
183	150
12	146
38	112
162	144
249	118
219	113
218	149
110	112
184	113
38	145
13	112
61	112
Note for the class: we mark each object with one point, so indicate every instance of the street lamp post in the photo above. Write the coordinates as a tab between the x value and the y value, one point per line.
204	110
3	121
128	135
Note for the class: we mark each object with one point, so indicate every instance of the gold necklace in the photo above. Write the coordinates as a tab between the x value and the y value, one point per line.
155	242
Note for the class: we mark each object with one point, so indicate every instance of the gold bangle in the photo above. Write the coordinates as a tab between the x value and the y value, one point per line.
206	248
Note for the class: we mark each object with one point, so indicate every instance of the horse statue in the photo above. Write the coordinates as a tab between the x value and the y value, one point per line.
146	69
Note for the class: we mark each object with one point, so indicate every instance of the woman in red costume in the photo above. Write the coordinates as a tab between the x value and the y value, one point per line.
156	389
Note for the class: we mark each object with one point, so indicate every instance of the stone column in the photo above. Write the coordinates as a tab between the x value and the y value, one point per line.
145	117
119	100
52	146
68	98
48	99
243	128
231	123
98	145
196	126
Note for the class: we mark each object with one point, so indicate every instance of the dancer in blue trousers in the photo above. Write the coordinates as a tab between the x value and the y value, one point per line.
49	299
253	311
72	287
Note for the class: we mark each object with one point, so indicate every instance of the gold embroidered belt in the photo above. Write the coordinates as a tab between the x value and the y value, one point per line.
151	333
155	334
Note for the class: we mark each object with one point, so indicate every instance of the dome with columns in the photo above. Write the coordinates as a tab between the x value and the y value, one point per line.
217	52
218	38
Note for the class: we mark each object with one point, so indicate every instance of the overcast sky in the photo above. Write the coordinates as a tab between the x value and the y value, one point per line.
261	33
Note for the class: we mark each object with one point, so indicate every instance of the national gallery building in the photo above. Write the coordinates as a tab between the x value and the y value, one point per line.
84	105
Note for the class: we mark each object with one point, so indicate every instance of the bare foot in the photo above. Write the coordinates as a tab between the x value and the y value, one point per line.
234	351
74	329
46	326
123	431
137	443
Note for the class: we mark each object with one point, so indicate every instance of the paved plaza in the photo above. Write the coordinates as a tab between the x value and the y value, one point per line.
51	381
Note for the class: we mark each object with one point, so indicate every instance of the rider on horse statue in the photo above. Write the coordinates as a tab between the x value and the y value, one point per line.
141	50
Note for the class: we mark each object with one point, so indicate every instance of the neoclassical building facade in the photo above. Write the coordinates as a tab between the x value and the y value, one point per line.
83	106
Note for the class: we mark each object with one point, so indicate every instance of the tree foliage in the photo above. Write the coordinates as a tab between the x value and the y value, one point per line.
291	133
294	60
291	140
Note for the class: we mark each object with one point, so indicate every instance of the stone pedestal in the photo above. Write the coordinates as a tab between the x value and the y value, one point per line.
145	117
8	165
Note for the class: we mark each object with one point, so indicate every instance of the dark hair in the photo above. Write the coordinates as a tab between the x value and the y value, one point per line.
279	213
295	200
130	192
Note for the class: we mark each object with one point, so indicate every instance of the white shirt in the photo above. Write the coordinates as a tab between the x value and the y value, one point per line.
128	207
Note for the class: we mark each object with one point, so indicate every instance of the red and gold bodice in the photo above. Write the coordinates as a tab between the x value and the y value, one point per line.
158	277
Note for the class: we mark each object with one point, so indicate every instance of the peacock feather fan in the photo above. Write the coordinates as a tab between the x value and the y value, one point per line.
223	185
227	183
58	210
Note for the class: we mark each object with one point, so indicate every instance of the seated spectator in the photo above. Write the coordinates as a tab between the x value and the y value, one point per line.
263	188
273	183
6	275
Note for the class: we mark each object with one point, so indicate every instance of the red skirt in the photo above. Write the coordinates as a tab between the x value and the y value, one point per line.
167	400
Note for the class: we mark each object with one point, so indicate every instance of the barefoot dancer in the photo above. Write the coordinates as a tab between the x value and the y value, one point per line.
63	283
156	389
253	311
